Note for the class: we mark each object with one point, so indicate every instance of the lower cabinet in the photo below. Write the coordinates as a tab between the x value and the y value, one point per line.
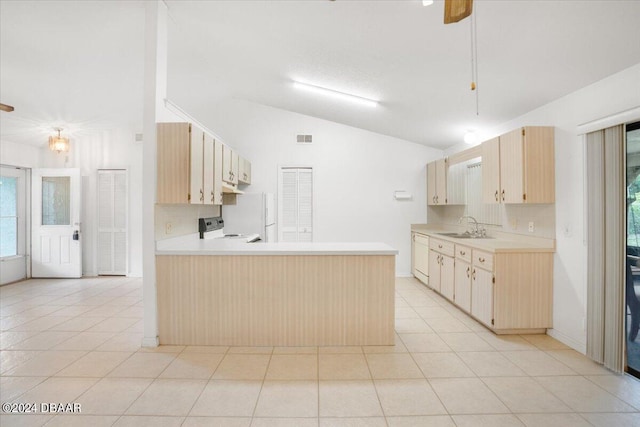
482	295
462	279
510	292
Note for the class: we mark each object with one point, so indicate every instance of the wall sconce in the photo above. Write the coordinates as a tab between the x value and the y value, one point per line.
58	143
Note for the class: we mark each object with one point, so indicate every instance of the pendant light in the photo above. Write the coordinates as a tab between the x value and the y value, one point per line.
58	143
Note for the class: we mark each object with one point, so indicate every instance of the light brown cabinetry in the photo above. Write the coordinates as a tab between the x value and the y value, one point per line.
482	287
462	278
437	182
180	163
244	171
441	267
420	257
229	165
526	167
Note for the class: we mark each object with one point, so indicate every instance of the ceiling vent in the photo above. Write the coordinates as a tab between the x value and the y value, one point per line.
304	139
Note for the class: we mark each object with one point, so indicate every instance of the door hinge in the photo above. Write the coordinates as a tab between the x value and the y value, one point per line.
524	196
445	201
188	197
492	322
493	279
522	131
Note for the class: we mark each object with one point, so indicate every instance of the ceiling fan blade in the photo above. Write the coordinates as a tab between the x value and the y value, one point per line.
457	10
5	107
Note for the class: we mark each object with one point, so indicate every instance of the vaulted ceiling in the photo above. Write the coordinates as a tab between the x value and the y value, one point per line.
80	64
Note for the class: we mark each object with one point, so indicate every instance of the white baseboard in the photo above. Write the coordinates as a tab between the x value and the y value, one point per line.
566	339
402	274
150	342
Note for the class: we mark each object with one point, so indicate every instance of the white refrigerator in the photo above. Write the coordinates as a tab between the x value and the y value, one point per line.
253	213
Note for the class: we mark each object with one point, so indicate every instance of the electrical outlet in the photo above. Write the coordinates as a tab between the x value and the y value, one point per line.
168	228
532	227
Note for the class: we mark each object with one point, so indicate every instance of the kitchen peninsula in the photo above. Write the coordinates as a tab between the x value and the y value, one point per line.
229	292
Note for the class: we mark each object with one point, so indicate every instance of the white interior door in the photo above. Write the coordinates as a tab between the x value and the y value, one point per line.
112	222
55	237
295	205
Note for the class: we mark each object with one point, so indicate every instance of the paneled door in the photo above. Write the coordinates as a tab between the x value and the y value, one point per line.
112	222
295	205
55	223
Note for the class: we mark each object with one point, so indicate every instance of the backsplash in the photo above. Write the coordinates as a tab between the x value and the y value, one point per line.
515	218
183	219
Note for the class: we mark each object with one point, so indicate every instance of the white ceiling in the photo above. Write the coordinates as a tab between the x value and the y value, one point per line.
81	63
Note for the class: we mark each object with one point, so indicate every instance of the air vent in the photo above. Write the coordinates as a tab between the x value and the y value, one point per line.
304	139
138	137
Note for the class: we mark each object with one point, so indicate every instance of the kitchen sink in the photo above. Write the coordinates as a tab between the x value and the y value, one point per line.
465	235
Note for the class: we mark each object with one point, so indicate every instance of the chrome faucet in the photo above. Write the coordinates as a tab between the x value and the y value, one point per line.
476	232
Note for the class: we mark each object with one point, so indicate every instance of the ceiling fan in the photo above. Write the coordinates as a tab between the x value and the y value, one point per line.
5	107
457	10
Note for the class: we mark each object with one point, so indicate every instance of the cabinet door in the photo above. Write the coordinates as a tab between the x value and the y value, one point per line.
511	167
227	168
491	171
234	167
431	183
482	295
217	173
434	270
422	255
462	279
207	170
173	162
441	182
539	161
244	171
197	164
446	277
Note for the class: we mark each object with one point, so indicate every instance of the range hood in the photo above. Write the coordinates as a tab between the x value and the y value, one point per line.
230	189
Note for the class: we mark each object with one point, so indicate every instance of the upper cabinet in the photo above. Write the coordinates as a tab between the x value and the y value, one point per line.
437	182
244	171
191	165
229	165
519	167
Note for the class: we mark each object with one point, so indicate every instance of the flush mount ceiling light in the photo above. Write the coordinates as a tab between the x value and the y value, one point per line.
336	94
470	137
58	143
427	2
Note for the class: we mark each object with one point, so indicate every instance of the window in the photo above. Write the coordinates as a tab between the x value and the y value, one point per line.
8	216
13	211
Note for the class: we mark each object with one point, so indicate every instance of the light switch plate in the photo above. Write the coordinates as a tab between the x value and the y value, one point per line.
531	227
168	228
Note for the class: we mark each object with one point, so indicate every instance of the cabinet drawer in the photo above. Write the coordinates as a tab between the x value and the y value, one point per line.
446	248
419	238
483	260
463	252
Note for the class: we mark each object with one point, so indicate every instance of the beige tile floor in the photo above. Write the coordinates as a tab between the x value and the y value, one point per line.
79	341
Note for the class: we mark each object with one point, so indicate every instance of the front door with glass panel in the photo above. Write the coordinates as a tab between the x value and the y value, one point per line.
56	242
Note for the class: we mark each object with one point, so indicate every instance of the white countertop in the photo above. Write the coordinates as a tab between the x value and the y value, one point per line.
502	242
193	245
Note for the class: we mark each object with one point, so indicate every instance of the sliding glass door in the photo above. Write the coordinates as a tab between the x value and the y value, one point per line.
632	284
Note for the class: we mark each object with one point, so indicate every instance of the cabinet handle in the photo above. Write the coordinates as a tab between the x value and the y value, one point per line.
413	237
497	199
481	259
503	195
201	195
212	196
468	268
437	198
462	253
473	275
440	246
221	197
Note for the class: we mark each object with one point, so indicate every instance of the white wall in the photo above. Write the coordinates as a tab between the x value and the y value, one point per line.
355	173
21	155
113	149
610	96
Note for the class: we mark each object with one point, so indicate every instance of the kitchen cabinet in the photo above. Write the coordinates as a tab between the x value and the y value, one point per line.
482	287
437	182
462	278
229	165
441	267
244	171
420	257
217	172
180	163
526	166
